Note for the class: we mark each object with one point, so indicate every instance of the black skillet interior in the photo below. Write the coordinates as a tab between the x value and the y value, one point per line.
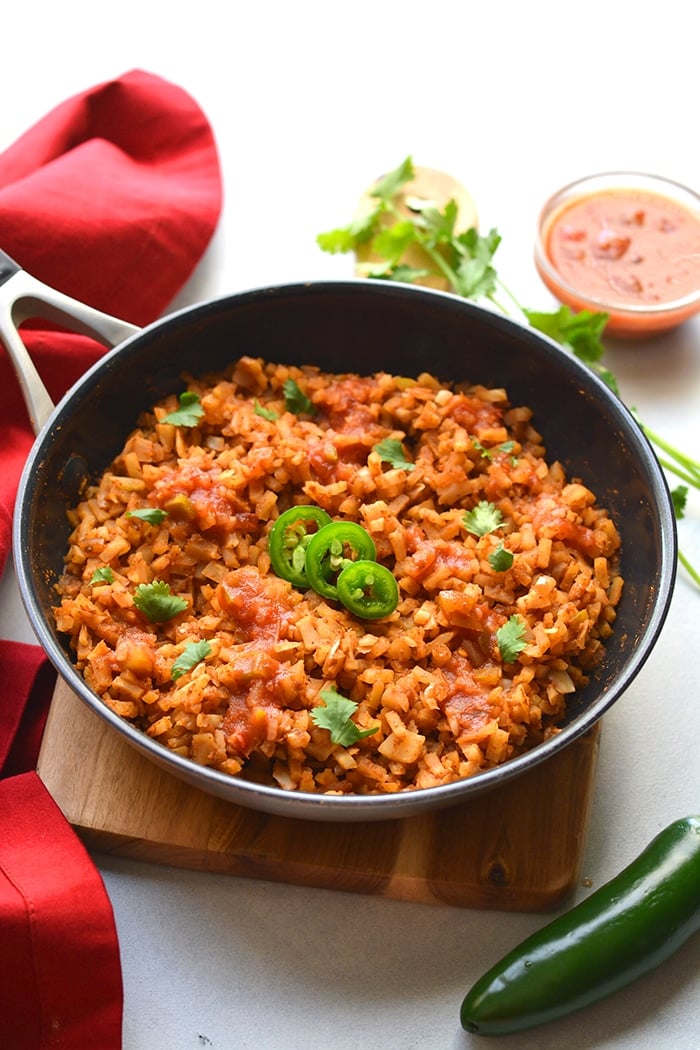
364	327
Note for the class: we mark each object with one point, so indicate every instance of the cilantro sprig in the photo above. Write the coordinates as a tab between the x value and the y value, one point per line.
465	260
390	450
511	639
191	655
295	400
485	517
189	413
336	717
489	453
102	575
152	515
265	413
157	602
501	558
581	332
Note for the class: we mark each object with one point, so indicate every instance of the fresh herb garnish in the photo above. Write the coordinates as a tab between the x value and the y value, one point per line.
679	498
191	655
336	717
581	332
189	413
482	519
511	639
464	259
102	575
501	558
153	515
391	183
266	413
157	602
390	450
295	400
489	453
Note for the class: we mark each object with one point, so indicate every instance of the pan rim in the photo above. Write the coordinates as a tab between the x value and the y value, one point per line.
352	807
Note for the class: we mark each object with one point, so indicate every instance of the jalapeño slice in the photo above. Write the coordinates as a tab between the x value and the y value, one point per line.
289	537
332	548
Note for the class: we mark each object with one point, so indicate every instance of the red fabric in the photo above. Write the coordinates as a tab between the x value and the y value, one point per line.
111	198
27	682
60	969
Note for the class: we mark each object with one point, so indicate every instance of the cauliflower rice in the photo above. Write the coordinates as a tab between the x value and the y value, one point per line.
430	679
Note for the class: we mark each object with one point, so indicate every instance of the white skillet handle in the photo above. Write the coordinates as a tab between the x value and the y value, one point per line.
23	297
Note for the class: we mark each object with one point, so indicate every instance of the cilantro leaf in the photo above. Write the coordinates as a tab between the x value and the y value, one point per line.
157	602
347	238
477	245
389	185
363	228
580	332
475	279
102	575
191	655
582	329
295	400
439	226
153	515
392	242
391	451
336	717
679	498
511	639
488	453
475	276
189	413
501	558
266	413
482	519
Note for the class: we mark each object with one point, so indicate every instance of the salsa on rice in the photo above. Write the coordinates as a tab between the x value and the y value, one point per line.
506	580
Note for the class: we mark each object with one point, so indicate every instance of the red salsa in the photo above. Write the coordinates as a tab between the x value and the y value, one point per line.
627	247
631	252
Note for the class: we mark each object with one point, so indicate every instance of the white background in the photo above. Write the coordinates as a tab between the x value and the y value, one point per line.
310	102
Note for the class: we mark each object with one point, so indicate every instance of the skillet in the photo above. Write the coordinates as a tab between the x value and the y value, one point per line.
358	326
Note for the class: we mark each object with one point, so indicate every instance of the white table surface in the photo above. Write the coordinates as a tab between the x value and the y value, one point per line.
309	102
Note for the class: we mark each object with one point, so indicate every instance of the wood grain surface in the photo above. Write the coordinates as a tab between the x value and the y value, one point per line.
519	847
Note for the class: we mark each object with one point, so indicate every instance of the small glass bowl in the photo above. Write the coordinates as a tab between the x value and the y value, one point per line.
627	320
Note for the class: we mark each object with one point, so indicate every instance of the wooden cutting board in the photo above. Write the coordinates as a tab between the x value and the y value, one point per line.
517	848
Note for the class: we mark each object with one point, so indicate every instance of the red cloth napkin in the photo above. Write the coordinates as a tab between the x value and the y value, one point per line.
60	976
111	198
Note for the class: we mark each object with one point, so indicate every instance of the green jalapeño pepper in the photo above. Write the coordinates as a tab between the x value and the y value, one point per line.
331	549
623	930
368	589
289	537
